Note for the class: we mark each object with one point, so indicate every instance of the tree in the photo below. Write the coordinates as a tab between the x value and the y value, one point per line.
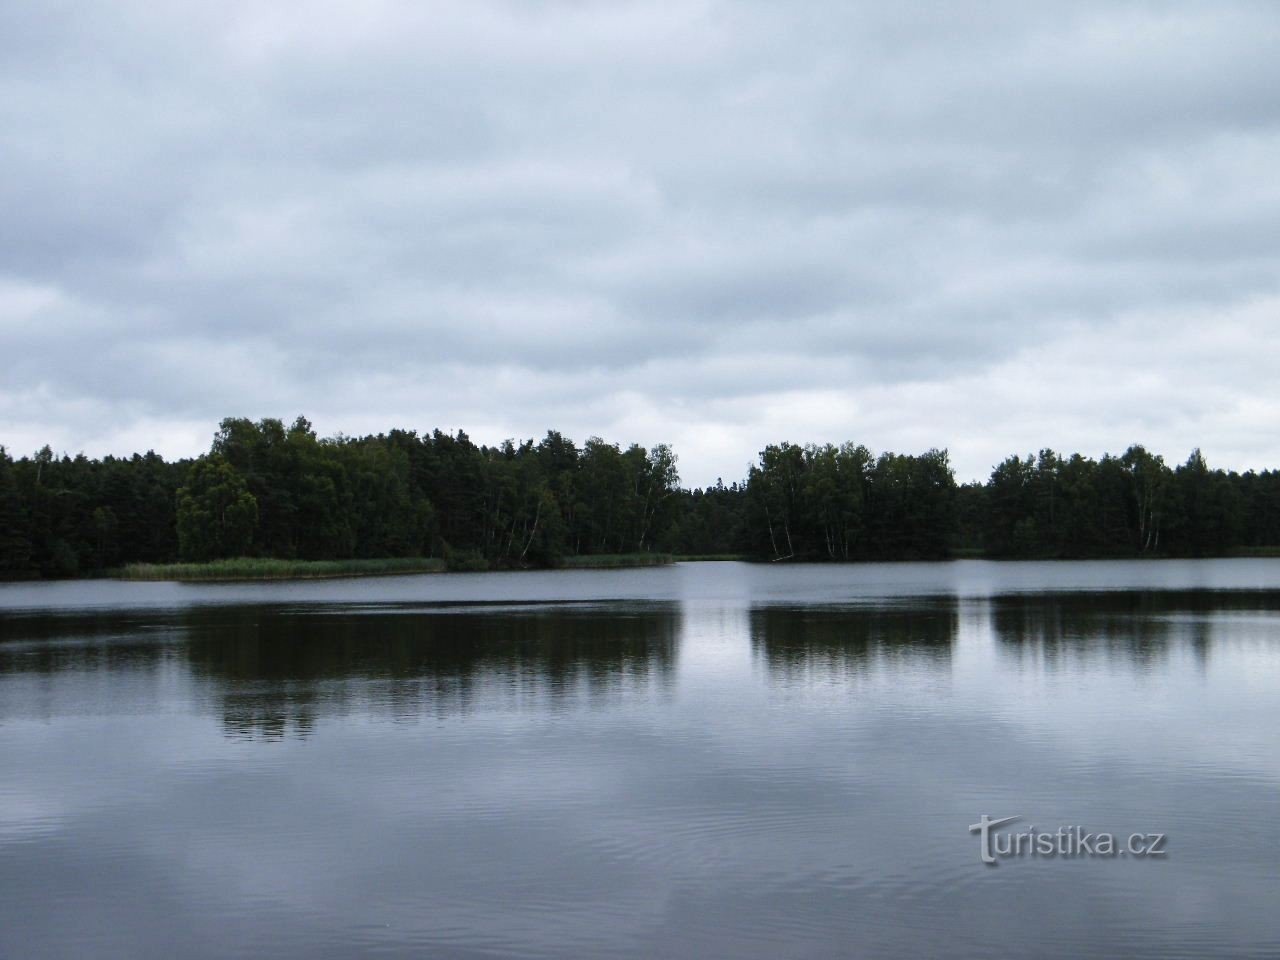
15	536
216	515
270	490
1148	486
656	481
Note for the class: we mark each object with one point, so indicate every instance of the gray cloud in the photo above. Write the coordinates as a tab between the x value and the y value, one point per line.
986	226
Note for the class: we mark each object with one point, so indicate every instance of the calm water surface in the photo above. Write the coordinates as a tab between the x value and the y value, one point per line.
707	760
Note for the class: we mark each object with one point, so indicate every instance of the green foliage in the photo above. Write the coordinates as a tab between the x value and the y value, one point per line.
1131	505
216	513
271	494
60	516
604	561
466	561
843	503
15	534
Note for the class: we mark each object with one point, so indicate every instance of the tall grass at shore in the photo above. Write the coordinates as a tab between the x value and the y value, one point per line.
601	561
265	568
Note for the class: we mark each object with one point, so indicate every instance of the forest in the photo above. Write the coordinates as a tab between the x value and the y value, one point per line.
269	490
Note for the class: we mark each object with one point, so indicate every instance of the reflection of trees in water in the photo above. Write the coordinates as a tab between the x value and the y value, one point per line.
272	670
94	642
799	642
1140	628
280	669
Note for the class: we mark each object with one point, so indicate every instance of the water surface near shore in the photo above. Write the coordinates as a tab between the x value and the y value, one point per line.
703	760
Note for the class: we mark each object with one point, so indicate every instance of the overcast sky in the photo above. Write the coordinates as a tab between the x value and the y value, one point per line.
985	226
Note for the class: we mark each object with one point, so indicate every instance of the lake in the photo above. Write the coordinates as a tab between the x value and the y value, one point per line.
703	760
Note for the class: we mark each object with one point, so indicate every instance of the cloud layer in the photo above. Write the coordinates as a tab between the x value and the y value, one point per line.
987	226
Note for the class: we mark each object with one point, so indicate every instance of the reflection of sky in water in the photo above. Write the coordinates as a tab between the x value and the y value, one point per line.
753	762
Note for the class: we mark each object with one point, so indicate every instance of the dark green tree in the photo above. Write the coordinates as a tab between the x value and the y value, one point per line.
216	514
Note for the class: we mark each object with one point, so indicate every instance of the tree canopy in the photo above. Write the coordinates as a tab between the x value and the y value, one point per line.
265	489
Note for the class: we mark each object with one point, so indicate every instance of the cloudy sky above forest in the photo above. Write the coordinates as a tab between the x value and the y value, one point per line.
987	226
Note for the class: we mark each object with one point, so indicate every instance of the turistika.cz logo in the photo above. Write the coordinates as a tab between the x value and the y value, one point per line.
1064	843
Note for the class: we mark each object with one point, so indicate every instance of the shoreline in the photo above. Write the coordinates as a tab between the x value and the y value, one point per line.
251	570
248	570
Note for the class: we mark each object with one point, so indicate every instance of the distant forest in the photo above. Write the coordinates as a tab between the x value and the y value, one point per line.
267	490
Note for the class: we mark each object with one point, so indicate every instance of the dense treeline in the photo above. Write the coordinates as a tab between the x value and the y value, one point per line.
267	490
840	503
1131	505
843	503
